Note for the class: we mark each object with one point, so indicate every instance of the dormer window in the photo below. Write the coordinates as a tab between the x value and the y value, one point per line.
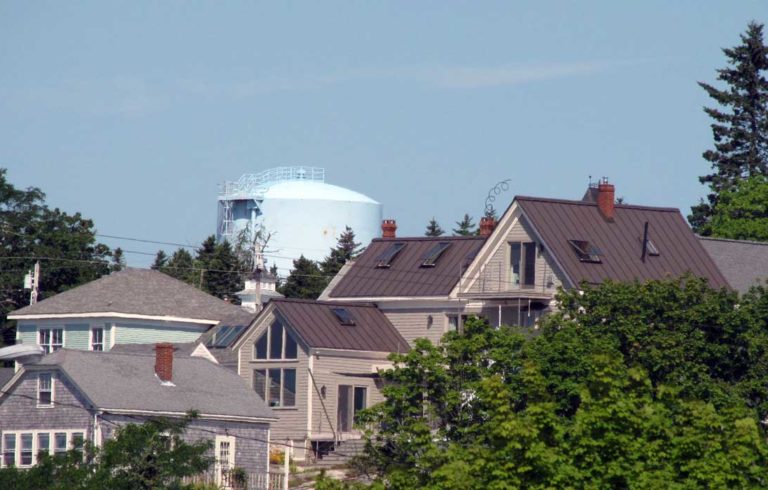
344	316
384	261
430	259
586	252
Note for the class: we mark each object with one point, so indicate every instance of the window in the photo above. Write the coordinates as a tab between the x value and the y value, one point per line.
44	442
522	257
276	386
275	343
225	459
44	390
586	252
26	450
51	339
97	339
224	336
60	443
9	449
430	259
453	322
344	316
384	261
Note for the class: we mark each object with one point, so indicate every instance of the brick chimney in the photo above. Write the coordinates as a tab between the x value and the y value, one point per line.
487	225
388	228
164	361
606	198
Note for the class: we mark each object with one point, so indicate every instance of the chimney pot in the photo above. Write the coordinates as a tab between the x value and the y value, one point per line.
164	361
606	199
487	225
388	228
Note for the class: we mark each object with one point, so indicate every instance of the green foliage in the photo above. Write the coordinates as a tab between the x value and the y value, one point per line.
741	213
433	228
465	227
740	124
306	280
29	229
655	385
346	249
161	260
152	455
118	260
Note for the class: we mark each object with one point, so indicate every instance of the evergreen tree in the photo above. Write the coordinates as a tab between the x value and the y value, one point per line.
305	281
222	271
346	249
465	227
118	260
274	273
740	126
160	260
433	228
182	267
490	212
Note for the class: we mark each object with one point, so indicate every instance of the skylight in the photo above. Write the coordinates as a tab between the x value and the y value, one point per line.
384	261
586	252
226	335
344	316
430	259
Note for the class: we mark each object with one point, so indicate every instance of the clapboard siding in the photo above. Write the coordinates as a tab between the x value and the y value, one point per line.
76	336
413	325
330	371
131	333
496	274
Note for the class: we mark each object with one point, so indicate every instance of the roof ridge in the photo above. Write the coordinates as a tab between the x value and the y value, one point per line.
366	304
428	238
594	204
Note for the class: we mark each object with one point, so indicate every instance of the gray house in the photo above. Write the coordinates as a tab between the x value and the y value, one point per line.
317	364
131	306
72	394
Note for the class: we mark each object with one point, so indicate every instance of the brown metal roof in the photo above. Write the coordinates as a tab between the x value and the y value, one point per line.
405	276
620	241
318	326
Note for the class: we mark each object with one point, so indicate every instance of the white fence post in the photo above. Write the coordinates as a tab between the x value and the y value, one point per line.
286	464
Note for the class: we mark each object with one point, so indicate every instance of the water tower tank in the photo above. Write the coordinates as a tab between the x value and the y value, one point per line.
304	214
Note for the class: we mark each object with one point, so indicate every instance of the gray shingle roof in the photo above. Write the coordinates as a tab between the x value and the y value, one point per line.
5	375
135	291
120	381
743	263
318	326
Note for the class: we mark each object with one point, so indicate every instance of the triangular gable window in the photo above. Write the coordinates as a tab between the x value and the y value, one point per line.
275	343
384	261
586	252
431	257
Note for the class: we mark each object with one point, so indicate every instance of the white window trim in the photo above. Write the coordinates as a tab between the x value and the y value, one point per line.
35	447
104	331
53	390
231	460
282	370
63	335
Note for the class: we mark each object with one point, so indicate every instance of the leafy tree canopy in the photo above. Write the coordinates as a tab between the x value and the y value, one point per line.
64	244
656	385
742	212
152	455
740	123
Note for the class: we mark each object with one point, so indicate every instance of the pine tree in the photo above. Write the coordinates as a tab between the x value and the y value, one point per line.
182	267
305	281
223	273
160	260
118	260
741	130
346	249
465	227
433	228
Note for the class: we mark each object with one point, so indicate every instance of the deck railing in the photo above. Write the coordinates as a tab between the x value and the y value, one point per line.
240	481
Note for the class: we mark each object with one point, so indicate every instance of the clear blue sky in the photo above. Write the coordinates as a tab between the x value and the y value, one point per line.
133	112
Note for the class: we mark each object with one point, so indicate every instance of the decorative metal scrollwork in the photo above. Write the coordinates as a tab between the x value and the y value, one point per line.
494	191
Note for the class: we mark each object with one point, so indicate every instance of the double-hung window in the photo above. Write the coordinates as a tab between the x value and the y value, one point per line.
97	339
23	448
59	443
45	390
26	449
276	386
9	450
51	339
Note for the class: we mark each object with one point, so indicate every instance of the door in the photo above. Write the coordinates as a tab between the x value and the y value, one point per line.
352	399
225	460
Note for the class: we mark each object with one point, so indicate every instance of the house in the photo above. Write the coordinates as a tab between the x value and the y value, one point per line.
125	307
70	395
511	272
316	364
744	263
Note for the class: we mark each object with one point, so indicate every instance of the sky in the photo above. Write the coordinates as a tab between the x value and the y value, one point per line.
132	113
